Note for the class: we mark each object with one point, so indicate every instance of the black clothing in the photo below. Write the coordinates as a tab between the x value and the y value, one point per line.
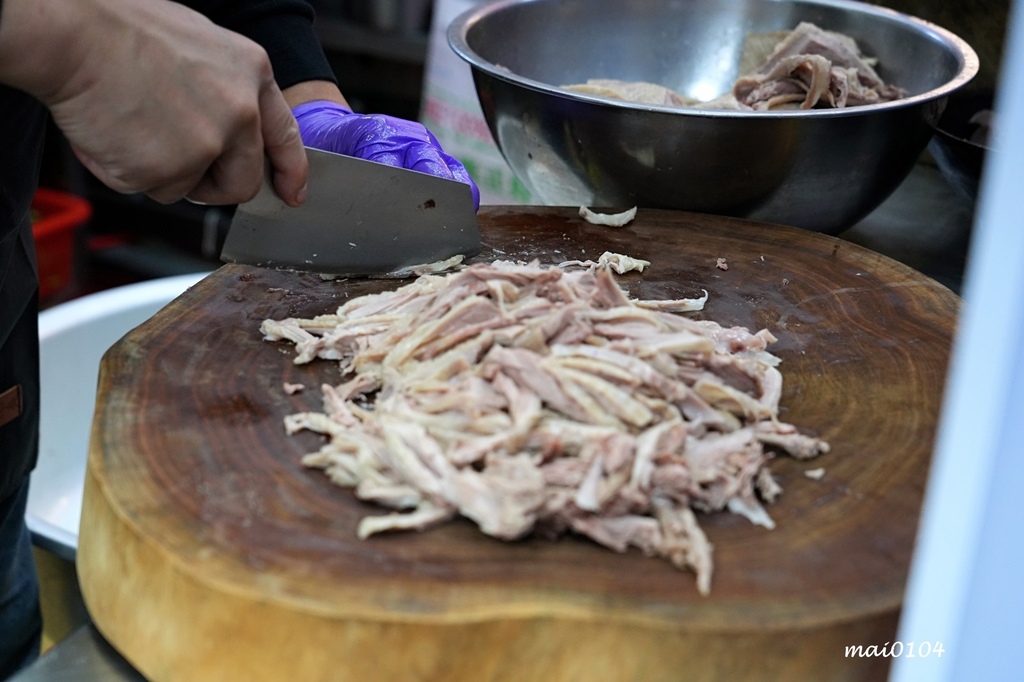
22	120
283	27
21	622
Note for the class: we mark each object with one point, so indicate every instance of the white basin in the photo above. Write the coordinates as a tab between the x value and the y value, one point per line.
73	337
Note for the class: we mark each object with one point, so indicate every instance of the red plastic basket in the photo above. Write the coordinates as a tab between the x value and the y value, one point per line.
56	217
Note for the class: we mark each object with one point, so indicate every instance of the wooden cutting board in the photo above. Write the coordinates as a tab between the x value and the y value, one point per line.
207	551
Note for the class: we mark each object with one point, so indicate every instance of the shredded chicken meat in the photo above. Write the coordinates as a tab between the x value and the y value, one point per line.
542	400
805	68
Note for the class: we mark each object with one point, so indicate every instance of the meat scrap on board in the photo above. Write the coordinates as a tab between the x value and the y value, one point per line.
544	400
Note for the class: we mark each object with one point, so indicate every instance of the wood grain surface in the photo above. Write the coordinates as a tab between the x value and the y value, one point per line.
207	551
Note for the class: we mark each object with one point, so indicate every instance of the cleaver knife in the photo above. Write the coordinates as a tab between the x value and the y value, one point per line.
360	218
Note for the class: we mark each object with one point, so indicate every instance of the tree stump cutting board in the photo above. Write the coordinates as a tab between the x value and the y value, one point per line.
208	552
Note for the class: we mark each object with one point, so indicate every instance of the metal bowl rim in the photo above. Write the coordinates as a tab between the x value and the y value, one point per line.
969	66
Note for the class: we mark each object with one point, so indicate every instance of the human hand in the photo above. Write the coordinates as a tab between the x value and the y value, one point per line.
155	98
376	137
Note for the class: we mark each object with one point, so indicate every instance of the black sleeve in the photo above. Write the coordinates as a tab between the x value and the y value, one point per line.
283	27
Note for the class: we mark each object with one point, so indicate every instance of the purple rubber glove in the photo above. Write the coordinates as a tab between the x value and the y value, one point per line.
385	139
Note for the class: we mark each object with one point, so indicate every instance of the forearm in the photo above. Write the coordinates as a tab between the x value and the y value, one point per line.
42	44
39	44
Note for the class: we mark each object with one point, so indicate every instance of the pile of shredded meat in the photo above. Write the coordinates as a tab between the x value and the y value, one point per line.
805	68
543	399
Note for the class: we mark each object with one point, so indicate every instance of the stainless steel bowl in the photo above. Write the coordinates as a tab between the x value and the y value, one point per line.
818	169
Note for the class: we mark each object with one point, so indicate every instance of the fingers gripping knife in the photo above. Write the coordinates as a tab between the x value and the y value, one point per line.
360	218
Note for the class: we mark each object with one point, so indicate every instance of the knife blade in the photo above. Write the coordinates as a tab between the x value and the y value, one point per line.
360	218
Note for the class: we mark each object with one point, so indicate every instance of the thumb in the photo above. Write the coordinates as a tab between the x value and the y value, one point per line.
283	146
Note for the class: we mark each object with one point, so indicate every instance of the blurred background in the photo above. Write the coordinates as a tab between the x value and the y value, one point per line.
391	56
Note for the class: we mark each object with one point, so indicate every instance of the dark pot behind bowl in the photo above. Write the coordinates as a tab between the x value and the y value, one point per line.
960	159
